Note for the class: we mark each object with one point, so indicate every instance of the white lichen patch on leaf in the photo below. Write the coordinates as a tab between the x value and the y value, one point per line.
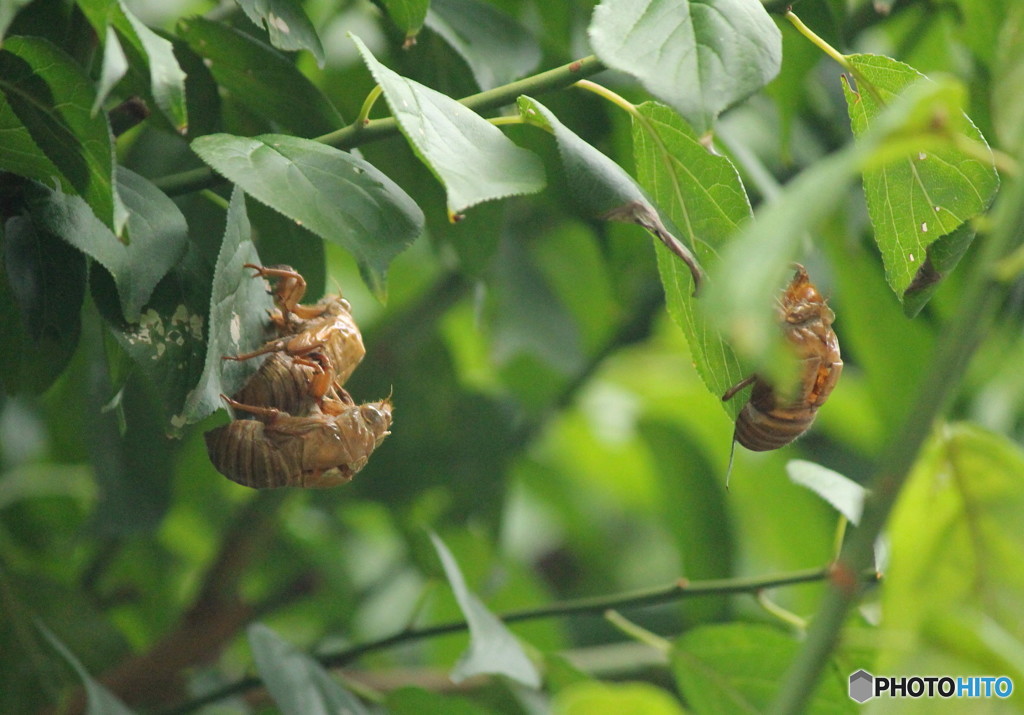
236	328
278	22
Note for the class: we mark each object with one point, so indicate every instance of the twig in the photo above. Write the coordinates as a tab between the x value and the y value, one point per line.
362	132
959	340
675	591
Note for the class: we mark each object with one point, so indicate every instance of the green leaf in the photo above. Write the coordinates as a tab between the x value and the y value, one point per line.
915	200
469	155
42	285
257	76
417	701
287	25
497	49
408	15
602	187
492	647
842	493
166	79
33	481
703	194
99	700
754	265
698	57
156	232
594	698
237	321
332	193
113	68
943	255
298	684
956	536
737	668
45	115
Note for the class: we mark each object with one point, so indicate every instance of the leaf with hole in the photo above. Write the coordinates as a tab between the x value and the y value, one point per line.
259	77
698	57
341	198
916	199
239	306
287	25
468	154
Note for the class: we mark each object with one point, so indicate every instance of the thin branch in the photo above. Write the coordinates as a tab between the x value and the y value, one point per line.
361	132
978	306
675	591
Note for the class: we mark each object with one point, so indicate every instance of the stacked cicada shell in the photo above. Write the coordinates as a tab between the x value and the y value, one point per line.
307	430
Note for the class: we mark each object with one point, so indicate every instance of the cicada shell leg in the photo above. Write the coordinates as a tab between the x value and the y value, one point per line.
731	392
268	413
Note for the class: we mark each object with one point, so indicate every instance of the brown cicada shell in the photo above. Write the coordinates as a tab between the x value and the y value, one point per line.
318	348
771	420
314	451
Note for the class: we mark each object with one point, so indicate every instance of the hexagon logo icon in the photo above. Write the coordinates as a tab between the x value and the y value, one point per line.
861	686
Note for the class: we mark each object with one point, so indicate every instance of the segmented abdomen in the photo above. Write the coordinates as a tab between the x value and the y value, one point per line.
240	451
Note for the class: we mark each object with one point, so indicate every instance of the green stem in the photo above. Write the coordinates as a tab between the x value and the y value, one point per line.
835	54
371	99
596	605
606	93
359	133
638	632
959	340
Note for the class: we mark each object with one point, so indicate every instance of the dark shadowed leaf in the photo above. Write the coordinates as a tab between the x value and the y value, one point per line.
45	115
698	57
287	25
166	79
332	193
260	78
703	195
915	200
497	48
492	647
298	684
238	323
469	155
603	188
42	285
156	234
99	700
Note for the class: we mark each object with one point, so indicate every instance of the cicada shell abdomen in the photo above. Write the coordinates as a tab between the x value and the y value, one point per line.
770	420
281	383
241	452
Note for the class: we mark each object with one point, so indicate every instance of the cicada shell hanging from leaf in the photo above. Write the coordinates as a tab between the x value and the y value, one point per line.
770	419
312	451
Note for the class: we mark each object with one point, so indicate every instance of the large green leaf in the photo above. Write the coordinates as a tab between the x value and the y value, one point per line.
237	321
298	684
156	233
469	155
743	285
42	284
598	698
492	647
287	25
497	48
166	79
956	536
602	187
699	57
46	121
703	194
737	668
258	76
98	700
915	200
332	193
